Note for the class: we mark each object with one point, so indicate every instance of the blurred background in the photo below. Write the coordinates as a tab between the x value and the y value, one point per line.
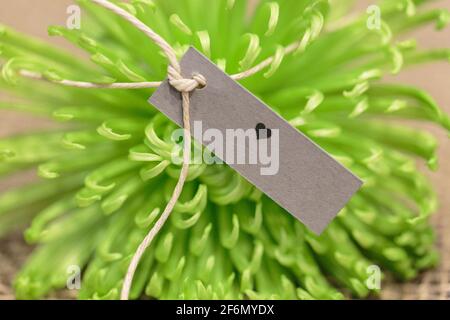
33	17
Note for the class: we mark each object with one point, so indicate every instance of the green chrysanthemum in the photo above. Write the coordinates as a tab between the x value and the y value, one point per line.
109	171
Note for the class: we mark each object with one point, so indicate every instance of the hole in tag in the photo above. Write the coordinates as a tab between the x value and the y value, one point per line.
262	132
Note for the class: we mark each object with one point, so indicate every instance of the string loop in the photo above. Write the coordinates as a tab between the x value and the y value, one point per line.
181	84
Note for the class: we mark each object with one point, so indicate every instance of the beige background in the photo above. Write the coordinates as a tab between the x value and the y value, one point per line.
33	17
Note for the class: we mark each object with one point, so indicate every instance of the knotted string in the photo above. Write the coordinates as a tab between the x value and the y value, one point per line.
183	85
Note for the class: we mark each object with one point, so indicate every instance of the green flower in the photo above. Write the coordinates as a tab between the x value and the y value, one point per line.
108	174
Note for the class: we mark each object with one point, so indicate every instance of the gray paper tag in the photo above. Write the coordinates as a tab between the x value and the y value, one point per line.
295	172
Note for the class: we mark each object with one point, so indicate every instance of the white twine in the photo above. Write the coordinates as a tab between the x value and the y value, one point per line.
181	84
90	85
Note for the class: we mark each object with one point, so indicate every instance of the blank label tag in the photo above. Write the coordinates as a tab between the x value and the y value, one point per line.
304	180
